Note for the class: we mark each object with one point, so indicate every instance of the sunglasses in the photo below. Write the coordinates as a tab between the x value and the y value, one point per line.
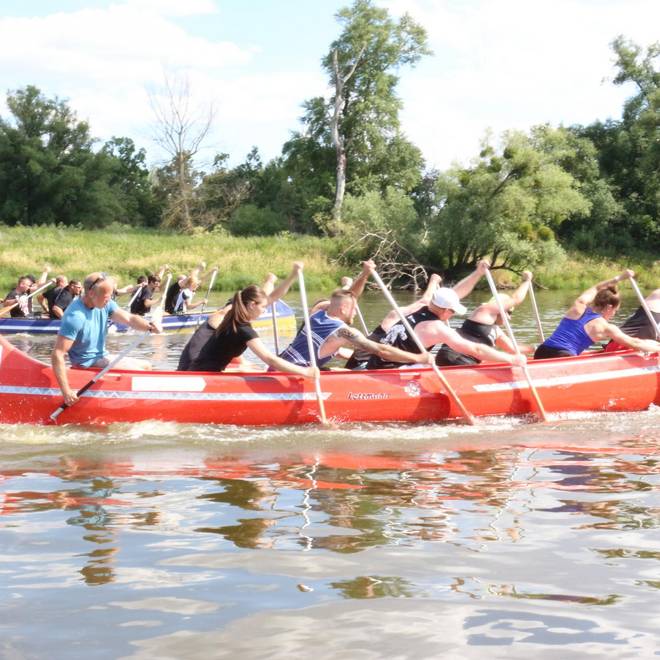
102	277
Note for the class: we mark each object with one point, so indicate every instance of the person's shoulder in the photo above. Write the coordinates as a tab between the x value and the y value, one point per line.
111	307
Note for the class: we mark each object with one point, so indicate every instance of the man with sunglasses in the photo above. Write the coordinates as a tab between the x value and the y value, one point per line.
84	328
483	327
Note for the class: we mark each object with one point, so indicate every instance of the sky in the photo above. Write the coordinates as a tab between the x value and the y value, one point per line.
496	65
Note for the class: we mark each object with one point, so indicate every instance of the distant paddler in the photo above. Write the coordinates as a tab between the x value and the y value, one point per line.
18	302
83	331
588	321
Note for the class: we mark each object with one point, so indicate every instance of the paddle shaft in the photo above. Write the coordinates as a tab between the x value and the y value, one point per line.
208	291
509	330
539	327
157	314
4	310
645	307
310	345
361	318
100	374
448	388
276	337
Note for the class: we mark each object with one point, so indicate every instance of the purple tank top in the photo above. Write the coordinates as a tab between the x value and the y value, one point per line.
570	334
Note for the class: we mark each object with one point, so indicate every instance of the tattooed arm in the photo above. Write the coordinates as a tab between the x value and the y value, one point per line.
354	339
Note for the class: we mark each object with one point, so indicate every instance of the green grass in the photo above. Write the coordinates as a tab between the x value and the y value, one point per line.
127	252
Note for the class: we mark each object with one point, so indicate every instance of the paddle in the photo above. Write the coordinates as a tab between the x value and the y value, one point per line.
276	337
8	308
645	307
448	388
208	291
310	345
507	325
532	297
100	374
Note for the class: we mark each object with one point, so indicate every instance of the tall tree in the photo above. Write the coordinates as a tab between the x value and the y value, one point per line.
180	129
360	122
629	150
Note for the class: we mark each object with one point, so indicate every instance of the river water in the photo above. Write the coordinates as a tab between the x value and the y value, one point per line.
505	540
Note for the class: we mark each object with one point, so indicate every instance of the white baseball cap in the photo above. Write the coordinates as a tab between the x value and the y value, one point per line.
447	298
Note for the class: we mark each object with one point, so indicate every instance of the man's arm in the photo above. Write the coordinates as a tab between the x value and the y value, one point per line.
356	340
135	321
357	288
480	351
465	286
62	346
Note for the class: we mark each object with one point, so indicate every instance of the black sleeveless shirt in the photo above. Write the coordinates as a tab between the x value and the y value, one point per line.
397	336
479	333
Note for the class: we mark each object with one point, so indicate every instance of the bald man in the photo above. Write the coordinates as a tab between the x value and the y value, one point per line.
84	328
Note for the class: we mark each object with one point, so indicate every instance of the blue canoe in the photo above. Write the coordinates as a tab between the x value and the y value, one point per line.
286	322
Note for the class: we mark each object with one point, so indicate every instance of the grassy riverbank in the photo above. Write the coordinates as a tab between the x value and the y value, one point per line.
127	253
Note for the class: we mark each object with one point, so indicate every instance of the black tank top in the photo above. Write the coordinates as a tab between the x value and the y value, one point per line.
638	324
398	337
479	333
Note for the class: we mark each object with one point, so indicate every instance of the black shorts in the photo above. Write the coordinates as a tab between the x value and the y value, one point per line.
544	352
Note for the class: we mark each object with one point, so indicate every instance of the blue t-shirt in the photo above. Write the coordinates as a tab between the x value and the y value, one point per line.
87	328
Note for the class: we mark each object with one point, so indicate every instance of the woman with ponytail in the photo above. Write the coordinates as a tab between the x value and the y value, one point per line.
229	332
588	321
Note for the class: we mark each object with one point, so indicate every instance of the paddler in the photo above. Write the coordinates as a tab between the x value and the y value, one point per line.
84	328
331	330
638	324
483	326
211	348
588	321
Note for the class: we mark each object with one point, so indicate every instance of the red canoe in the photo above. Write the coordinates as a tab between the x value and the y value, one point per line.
624	381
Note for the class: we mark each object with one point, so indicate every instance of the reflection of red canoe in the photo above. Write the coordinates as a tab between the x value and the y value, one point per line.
623	381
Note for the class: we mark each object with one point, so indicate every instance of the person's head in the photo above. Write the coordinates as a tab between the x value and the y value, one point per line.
607	302
24	283
445	303
343	305
61	281
247	305
75	287
508	304
153	281
142	279
191	283
98	288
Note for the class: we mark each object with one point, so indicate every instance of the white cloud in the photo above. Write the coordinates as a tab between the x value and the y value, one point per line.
513	64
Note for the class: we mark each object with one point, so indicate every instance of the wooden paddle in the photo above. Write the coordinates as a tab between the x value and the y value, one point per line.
208	291
507	325
310	346
8	308
448	388
645	307
55	414
346	283
276	337
532	298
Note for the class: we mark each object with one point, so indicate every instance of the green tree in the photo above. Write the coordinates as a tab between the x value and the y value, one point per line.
507	206
354	139
629	154
48	170
128	177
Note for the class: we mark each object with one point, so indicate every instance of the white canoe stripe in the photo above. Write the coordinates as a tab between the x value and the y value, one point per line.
573	379
168	384
169	396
